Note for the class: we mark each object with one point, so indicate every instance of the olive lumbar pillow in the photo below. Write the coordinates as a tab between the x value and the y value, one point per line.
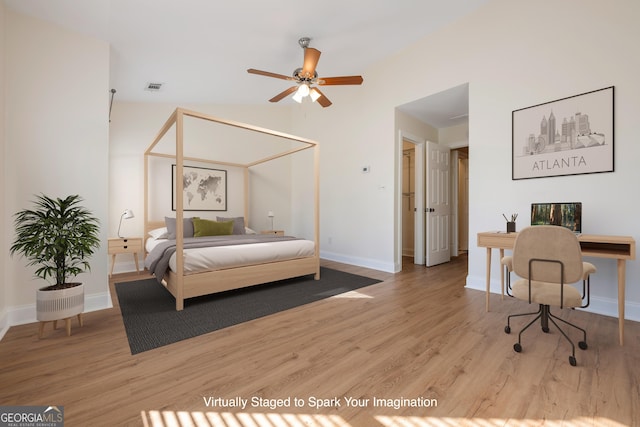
205	227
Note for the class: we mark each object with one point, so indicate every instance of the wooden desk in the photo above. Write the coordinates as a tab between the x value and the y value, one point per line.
620	248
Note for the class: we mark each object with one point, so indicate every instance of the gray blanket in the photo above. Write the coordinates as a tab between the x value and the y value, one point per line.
157	261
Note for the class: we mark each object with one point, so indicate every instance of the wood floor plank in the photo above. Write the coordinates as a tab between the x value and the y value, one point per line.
419	334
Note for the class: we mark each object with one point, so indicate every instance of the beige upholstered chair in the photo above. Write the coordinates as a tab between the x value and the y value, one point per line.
548	260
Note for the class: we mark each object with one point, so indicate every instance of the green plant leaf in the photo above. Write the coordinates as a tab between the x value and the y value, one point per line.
58	236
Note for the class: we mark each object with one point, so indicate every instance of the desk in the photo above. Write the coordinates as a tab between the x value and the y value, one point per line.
620	248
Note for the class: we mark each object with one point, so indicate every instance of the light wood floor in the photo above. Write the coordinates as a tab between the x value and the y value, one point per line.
417	335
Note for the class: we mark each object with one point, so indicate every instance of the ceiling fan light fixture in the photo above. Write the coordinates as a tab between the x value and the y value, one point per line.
314	95
297	97
306	76
303	90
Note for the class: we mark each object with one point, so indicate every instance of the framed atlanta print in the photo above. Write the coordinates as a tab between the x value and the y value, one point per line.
568	136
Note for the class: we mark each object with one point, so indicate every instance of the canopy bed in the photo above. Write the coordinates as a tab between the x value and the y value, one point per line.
264	259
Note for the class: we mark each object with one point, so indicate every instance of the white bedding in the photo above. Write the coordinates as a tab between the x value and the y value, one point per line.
220	257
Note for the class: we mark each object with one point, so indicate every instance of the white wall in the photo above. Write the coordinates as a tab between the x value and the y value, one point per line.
357	209
56	141
454	136
4	291
513	55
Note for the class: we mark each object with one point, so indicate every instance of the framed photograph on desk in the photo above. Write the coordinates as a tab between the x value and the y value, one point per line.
568	136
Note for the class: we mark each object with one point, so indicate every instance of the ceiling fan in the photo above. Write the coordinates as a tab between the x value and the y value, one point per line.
306	76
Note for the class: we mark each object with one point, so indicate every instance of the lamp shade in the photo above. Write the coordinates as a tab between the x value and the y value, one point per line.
297	97
303	90
270	214
314	95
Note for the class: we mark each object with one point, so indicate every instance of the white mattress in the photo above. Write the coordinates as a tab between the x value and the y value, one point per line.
220	257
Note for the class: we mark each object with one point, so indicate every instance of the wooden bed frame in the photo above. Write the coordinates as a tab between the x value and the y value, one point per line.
184	286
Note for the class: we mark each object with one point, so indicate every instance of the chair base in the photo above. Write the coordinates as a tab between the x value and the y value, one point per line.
545	315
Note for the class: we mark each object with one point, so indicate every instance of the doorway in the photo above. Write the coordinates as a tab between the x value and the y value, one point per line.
412	203
445	115
461	155
411	231
408	199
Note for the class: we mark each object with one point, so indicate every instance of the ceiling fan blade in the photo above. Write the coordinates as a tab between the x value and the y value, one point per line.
311	57
344	80
284	94
322	100
268	74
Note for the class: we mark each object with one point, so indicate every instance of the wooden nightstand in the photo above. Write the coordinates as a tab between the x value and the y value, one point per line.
124	245
274	232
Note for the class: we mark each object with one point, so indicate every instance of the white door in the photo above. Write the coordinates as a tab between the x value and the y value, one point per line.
438	205
419	233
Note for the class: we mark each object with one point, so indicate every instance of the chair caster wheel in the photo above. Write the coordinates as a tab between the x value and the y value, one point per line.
507	330
582	345
545	330
517	347
572	360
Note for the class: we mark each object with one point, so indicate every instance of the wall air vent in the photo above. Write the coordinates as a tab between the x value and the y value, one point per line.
153	87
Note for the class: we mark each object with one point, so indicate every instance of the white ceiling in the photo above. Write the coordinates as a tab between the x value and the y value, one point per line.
200	49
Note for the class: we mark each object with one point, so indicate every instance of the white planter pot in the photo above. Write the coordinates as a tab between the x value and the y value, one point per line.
60	303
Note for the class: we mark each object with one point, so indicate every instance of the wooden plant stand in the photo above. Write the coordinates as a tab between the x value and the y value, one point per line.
67	322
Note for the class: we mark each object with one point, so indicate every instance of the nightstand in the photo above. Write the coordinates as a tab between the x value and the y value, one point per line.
124	245
274	232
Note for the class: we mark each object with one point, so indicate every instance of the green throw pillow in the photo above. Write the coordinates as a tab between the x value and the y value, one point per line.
205	227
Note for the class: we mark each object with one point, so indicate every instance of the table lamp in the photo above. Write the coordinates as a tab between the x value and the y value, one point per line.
271	215
127	214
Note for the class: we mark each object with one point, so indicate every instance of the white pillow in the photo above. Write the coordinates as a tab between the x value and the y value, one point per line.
247	230
159	233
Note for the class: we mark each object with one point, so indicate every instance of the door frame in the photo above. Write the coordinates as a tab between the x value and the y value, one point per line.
455	183
419	231
455	229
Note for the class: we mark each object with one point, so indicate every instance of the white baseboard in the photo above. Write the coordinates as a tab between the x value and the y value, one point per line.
4	324
360	262
598	305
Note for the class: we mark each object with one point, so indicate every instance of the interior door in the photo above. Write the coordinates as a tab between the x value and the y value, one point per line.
438	206
419	231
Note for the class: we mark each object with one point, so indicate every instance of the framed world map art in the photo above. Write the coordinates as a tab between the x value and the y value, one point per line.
204	189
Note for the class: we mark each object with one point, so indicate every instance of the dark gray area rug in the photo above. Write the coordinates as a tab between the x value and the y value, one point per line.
151	320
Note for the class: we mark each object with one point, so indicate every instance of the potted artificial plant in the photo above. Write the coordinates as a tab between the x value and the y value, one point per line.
58	236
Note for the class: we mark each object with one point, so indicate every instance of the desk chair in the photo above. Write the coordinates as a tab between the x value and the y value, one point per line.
547	259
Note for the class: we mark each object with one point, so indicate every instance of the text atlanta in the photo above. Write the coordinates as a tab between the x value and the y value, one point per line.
566	162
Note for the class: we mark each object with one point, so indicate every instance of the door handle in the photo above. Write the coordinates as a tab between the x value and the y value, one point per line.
430	210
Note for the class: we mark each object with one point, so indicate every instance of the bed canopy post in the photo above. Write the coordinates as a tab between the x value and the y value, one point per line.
246	196
179	209
316	169
145	213
149	151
